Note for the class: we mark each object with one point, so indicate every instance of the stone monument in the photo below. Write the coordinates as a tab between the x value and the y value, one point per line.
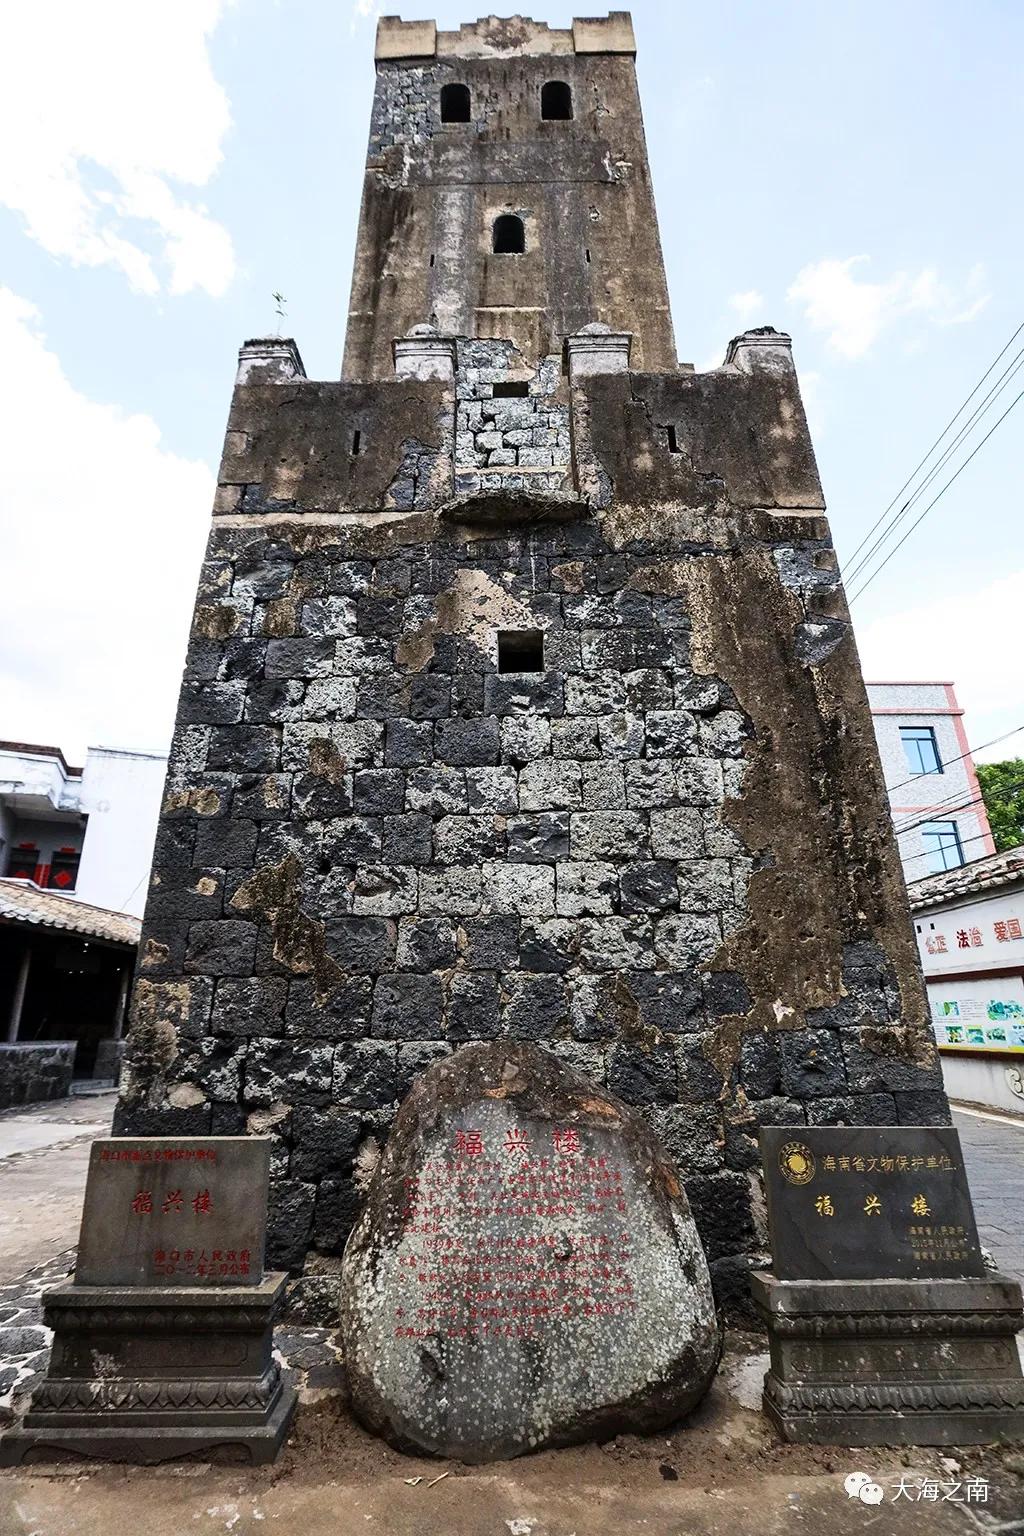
526	1271
885	1326
162	1342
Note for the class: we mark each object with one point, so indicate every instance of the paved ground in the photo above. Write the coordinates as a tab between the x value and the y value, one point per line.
475	1502
44	1152
994	1154
721	1473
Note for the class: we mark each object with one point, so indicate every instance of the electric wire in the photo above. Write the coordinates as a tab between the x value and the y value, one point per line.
1011	788
892	788
926	853
917	521
977	415
938	440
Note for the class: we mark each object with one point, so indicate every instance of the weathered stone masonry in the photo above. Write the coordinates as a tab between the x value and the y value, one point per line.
666	855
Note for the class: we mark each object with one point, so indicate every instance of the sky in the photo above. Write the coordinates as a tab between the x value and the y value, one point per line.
845	170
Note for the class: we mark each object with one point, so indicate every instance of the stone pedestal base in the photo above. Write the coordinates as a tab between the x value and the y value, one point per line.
893	1362
146	1374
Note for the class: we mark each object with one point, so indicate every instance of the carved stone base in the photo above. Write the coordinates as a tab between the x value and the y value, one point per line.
145	1374
893	1362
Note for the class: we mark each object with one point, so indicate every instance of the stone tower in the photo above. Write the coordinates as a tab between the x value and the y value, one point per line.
522	698
531	143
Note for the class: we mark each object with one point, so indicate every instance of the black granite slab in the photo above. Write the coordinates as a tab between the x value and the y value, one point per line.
868	1202
183	1211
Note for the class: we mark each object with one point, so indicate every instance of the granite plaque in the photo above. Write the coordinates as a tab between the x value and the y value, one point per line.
868	1202
187	1211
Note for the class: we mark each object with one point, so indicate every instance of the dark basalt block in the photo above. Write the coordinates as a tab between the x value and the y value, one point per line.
526	1271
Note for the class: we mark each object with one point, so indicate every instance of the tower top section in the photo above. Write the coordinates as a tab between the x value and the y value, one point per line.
507	193
503	37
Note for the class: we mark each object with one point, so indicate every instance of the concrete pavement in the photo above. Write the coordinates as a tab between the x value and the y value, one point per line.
44	1156
993	1147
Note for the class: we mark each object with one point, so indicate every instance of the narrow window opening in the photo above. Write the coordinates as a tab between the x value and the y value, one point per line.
455	104
63	873
942	847
24	862
511	389
556	101
521	650
508	237
921	748
673	441
587	254
357	438
431	258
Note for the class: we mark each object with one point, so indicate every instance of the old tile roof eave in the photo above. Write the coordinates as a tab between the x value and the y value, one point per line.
24	904
978	878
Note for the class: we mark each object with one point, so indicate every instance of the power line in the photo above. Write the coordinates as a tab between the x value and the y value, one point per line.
124	905
937	441
917	521
937	811
1016	362
977	415
892	788
950	802
1010	788
926	853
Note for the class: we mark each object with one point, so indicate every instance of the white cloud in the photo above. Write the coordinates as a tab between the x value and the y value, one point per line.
364	10
855	311
103	533
107	110
746	305
971	639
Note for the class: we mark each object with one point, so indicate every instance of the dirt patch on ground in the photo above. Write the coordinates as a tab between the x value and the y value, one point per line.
720	1472
721	1446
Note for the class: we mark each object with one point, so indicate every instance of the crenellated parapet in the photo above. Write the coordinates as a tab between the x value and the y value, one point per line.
473	417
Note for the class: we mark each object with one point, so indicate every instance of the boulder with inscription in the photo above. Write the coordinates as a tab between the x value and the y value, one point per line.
526	1271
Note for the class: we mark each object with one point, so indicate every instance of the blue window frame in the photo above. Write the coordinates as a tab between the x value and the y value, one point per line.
942	845
921	748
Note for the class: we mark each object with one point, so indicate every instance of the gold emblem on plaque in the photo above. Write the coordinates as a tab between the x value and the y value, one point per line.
796	1162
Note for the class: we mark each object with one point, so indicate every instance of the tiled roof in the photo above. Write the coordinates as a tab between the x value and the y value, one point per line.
23	902
986	874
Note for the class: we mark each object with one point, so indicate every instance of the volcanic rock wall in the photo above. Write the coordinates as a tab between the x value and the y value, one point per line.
666	854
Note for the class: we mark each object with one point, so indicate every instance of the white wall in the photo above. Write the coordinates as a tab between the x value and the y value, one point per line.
999	1084
972	955
983	933
121	794
927	704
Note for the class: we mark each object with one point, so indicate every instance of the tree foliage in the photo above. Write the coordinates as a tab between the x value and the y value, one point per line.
1002	789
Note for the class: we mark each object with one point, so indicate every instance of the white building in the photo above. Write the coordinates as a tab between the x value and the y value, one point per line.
967	900
76	846
969	925
86	832
937	809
